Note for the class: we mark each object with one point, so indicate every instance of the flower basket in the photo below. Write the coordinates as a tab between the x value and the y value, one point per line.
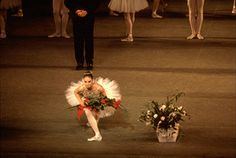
165	117
167	135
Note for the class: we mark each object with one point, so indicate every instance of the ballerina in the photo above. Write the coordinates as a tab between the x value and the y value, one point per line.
98	98
195	8
61	17
128	7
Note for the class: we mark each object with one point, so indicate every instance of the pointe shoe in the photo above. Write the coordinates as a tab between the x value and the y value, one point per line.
65	35
156	16
234	11
54	35
191	36
128	39
95	138
3	35
199	36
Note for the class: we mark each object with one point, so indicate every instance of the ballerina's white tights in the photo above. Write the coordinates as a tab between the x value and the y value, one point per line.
93	123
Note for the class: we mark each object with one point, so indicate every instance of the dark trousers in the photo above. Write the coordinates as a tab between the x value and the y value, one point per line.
83	29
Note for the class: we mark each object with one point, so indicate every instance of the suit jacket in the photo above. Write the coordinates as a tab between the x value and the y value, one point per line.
89	5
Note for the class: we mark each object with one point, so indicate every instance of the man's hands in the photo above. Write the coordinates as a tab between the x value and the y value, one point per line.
81	13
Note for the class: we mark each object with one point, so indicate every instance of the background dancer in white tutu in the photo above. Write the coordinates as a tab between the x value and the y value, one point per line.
98	98
128	7
195	8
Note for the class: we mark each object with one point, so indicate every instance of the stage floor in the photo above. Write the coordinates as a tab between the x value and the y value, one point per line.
36	71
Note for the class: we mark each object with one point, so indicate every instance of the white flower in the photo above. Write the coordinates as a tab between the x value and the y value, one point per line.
164	115
163	118
163	107
180	108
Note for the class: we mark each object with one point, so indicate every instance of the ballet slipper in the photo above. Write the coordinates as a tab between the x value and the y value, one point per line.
128	39
95	138
156	16
191	36
54	35
234	10
199	36
65	35
3	35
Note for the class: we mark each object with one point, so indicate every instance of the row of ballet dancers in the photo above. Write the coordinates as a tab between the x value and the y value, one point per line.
61	16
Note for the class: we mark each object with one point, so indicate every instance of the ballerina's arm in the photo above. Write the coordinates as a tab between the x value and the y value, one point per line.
101	89
77	95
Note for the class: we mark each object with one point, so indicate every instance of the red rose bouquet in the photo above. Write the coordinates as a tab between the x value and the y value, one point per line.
100	102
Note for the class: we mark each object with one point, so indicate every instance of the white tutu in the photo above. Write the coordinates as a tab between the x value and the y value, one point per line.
70	95
6	4
127	6
111	88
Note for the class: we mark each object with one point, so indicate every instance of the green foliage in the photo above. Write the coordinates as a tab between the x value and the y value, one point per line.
165	115
99	102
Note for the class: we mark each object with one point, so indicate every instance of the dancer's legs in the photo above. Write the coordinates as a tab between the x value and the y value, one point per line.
155	7
57	18
65	17
129	26
200	6
234	8
128	22
96	116
192	19
132	16
19	9
93	123
3	16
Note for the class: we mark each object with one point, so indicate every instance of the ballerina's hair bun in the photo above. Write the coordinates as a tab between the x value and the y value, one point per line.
88	74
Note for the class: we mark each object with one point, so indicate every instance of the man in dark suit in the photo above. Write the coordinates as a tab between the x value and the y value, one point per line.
83	16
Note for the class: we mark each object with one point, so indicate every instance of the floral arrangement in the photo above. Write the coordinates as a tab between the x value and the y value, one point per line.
165	115
99	102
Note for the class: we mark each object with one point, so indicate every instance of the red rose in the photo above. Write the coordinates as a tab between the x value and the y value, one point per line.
86	100
103	101
116	104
